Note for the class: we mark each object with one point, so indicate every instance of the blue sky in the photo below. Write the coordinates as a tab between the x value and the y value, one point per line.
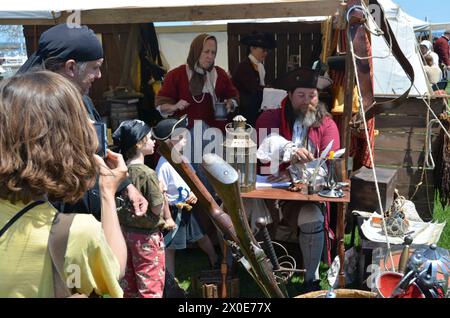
436	11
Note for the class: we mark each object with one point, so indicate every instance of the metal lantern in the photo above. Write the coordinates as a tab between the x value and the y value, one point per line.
240	151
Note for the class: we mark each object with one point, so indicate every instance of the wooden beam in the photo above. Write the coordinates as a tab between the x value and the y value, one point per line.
299	8
439	26
192	28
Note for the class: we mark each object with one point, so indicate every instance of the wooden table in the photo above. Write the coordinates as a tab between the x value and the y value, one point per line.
284	194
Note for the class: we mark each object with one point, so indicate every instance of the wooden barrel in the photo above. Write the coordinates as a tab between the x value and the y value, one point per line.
121	112
340	293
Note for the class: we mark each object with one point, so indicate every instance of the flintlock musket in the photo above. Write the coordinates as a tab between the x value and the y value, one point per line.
205	200
225	181
247	249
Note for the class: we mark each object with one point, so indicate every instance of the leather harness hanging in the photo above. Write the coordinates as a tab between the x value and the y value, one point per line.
361	43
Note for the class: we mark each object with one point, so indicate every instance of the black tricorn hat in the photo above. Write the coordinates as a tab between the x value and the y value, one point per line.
302	77
259	39
129	133
165	128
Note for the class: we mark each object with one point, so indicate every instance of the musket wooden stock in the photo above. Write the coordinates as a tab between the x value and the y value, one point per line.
206	201
224	180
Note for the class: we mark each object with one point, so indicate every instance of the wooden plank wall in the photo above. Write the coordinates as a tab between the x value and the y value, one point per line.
401	145
114	40
293	38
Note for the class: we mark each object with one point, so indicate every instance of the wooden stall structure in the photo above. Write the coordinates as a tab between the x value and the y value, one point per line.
114	39
402	144
298	44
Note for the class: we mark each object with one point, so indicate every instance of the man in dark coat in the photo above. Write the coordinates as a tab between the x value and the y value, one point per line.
77	54
249	75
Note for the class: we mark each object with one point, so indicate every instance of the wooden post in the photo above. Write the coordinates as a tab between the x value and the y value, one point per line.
345	143
348	103
224	271
341	207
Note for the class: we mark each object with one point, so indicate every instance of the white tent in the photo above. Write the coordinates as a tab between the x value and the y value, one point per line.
389	77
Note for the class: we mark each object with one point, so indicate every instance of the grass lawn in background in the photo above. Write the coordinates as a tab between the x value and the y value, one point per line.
193	260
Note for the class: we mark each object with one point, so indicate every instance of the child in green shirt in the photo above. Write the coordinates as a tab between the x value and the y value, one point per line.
145	271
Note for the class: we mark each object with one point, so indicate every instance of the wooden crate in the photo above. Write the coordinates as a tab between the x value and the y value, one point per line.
363	191
121	110
401	145
207	284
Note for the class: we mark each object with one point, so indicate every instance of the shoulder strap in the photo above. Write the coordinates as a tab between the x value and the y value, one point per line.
18	215
57	245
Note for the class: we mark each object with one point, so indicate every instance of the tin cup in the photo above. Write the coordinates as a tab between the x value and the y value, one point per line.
220	111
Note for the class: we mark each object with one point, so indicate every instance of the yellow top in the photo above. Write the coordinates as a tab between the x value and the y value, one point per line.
25	263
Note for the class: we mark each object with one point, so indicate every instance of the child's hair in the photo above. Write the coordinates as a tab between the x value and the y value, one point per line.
47	142
133	151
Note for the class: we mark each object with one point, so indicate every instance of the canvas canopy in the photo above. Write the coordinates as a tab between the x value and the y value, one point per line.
389	77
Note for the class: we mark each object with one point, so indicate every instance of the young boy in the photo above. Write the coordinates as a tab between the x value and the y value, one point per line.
189	231
145	272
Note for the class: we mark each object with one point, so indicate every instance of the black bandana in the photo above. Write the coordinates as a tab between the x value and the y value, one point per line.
64	43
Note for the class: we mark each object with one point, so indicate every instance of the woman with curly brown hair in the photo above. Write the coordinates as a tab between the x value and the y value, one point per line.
47	148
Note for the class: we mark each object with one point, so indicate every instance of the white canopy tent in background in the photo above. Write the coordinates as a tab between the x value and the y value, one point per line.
389	77
174	44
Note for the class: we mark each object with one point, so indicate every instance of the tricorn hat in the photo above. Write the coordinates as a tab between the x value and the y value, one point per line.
302	77
165	128
259	39
129	133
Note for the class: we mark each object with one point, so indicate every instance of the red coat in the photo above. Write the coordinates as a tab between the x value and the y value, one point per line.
320	136
176	87
441	47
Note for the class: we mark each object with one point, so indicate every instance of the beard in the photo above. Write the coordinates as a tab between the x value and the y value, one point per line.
307	119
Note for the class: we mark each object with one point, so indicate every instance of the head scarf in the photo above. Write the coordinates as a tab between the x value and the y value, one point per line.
129	133
198	74
427	44
64	43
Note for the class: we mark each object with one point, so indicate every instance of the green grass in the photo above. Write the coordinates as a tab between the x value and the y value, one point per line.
442	214
191	261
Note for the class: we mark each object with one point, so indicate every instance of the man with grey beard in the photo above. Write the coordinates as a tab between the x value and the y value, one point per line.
77	54
305	121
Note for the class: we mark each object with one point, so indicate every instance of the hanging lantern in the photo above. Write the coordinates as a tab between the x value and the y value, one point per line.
240	151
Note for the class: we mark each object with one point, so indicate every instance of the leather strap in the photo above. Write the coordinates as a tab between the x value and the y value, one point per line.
361	44
57	246
19	215
404	63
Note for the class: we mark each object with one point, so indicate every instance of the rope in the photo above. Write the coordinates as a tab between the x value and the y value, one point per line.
363	115
354	57
434	115
377	32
